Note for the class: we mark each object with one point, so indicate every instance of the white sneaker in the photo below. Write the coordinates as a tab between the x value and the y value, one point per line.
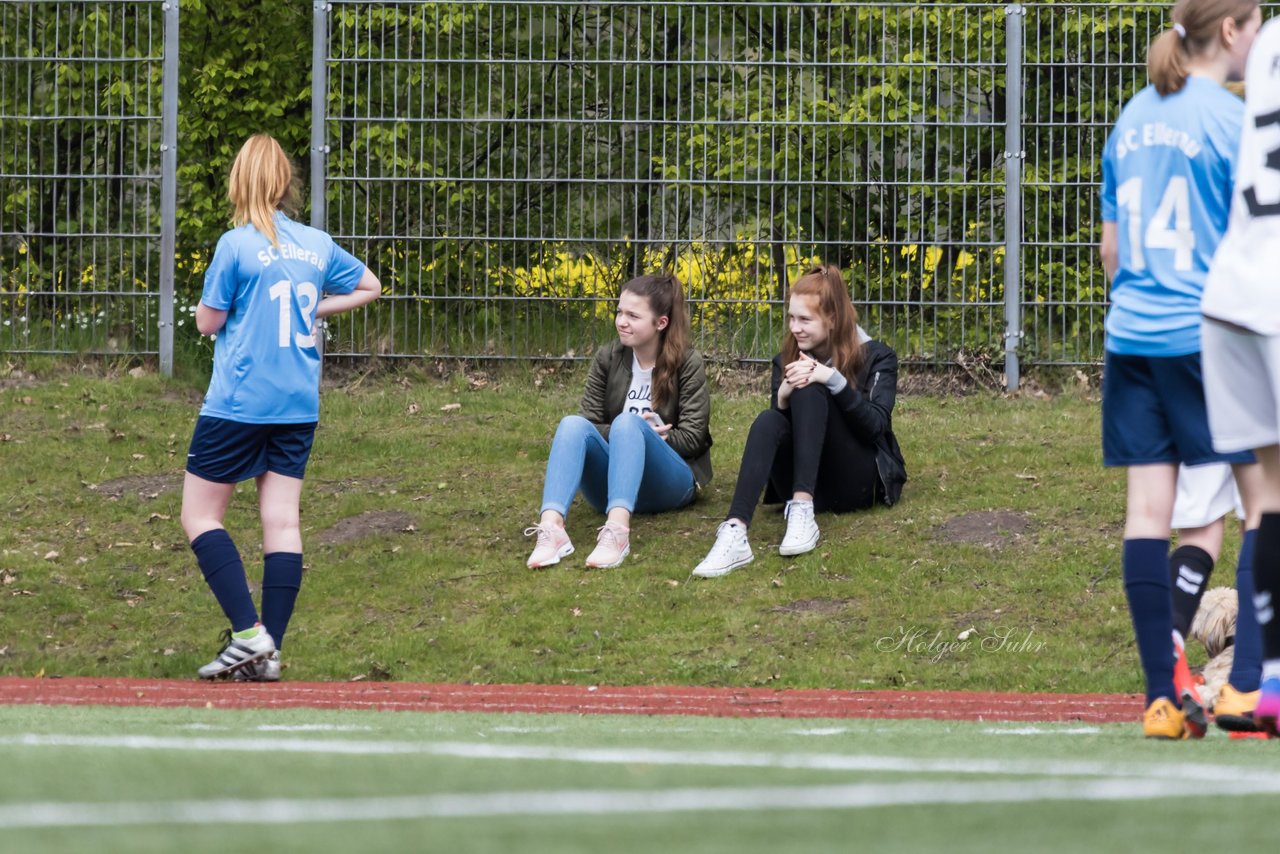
802	530
266	670
238	653
730	551
612	545
552	544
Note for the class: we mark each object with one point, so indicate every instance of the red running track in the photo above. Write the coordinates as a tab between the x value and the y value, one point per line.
577	699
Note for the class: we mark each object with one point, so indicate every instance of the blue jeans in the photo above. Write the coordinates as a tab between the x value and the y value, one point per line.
634	470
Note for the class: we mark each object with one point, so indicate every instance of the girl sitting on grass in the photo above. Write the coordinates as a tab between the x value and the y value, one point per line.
826	441
641	440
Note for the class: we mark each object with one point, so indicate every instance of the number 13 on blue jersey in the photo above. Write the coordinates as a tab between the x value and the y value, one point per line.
307	294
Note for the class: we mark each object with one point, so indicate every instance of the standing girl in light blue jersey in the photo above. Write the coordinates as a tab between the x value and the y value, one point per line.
270	280
1166	189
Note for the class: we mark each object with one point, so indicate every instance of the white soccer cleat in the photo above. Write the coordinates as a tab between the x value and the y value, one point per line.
731	551
266	670
238	653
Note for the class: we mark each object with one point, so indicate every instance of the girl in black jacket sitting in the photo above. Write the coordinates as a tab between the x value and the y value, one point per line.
826	442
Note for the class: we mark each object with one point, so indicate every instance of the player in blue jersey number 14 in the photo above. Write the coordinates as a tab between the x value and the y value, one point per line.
1166	189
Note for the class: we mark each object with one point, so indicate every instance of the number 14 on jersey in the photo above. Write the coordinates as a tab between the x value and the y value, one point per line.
1170	225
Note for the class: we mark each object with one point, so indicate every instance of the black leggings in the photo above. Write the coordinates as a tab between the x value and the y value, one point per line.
806	448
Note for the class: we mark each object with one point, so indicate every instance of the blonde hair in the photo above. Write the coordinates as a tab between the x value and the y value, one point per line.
1197	26
261	183
844	349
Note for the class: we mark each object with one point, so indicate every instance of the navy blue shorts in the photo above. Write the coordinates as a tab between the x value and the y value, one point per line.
231	451
1153	411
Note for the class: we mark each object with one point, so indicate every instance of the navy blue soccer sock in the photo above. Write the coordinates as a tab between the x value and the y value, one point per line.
224	572
281	581
1146	584
1266	584
1189	571
1246	665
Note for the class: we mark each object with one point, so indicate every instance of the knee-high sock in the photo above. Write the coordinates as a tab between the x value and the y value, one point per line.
1266	583
224	573
1146	584
281	581
1189	571
1246	663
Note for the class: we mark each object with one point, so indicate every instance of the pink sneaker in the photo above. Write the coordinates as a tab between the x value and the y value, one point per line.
1267	712
613	544
552	544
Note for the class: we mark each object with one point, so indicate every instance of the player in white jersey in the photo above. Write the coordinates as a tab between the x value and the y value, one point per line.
270	280
1242	346
1206	496
1166	184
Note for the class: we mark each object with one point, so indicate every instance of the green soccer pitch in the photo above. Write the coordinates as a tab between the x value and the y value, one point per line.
196	780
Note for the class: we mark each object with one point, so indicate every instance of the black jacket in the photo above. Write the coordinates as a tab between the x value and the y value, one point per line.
866	404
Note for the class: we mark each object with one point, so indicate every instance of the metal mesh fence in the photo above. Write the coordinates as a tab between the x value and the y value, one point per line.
508	165
80	176
505	166
1081	64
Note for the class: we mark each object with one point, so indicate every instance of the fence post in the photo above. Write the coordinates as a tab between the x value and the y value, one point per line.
319	95
1013	157
168	182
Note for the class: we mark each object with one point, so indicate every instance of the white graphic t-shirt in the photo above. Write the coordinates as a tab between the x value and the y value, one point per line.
640	395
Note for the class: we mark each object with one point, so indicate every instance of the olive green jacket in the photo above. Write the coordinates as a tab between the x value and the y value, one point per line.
689	415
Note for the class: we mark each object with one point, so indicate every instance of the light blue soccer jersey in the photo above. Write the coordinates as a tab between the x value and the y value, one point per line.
266	368
1167	174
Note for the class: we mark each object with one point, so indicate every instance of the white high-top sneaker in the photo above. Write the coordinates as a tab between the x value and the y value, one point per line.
802	530
731	550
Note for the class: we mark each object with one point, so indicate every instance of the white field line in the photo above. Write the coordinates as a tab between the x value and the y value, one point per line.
526	730
597	802
312	728
1204	772
1035	730
831	730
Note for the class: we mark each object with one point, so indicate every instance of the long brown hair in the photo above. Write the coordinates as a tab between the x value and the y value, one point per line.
1201	27
666	299
261	183
844	348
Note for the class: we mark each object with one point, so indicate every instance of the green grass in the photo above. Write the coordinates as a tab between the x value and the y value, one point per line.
303	780
97	578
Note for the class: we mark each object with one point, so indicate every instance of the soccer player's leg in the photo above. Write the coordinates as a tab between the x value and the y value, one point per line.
221	454
1136	435
1266	578
1205	494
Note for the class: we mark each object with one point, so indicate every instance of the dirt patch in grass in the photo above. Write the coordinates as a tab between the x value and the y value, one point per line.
369	524
141	485
989	528
813	606
18	381
363	484
192	396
